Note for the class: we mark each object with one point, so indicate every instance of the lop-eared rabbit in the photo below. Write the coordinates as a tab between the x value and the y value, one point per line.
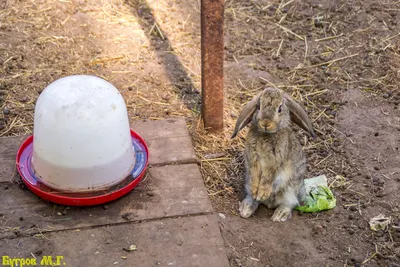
274	159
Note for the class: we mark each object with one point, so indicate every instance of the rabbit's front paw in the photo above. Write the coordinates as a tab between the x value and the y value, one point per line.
247	207
263	193
254	189
282	214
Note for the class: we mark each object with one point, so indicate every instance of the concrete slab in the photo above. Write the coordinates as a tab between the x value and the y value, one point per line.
168	216
185	242
8	152
173	127
168	141
174	190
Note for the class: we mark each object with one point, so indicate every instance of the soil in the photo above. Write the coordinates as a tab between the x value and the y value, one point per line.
339	59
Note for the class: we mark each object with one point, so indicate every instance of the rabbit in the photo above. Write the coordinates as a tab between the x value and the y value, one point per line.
274	159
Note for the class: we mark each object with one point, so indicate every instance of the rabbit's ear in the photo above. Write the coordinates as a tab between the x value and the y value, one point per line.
299	116
246	115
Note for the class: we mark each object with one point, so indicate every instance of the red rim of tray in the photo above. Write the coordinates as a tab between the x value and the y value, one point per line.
24	167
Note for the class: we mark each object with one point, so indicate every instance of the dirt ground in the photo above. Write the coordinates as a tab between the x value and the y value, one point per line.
339	59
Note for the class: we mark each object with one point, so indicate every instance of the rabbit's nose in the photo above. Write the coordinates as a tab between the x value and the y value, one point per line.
265	124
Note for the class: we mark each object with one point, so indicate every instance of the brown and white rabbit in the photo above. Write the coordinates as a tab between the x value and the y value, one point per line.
275	162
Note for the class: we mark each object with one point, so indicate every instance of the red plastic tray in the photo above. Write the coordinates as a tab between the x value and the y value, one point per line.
25	169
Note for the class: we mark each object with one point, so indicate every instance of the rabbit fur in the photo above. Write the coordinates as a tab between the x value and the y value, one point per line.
274	159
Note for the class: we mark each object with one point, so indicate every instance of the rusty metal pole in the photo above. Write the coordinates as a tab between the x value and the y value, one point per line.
212	62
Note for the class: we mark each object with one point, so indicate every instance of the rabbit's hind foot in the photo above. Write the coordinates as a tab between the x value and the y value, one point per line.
282	213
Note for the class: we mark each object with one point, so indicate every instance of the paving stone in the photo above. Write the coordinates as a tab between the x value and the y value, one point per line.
174	127
168	216
190	242
8	152
168	141
175	150
168	191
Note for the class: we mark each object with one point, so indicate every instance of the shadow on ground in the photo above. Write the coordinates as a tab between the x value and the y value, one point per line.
165	53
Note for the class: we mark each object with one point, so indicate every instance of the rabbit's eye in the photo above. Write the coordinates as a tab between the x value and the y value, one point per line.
280	109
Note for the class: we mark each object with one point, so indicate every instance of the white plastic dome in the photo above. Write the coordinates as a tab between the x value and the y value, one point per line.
82	140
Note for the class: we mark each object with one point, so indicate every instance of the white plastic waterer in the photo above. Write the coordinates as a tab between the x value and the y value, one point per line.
82	139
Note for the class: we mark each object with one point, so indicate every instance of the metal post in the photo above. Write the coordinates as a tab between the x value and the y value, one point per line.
212	60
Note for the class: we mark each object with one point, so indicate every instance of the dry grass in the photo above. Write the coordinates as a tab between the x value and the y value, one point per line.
110	39
309	61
